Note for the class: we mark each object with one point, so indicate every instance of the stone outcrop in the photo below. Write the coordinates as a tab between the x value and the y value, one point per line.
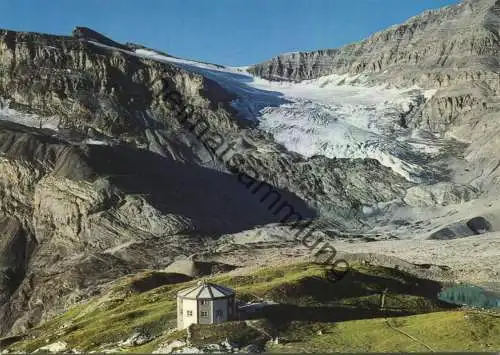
440	194
91	35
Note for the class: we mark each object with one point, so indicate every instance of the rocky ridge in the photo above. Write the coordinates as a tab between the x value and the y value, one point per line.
428	48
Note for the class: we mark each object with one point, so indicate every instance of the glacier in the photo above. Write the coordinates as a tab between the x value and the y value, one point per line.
338	116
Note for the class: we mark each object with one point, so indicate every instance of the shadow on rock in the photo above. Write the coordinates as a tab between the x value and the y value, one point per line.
215	202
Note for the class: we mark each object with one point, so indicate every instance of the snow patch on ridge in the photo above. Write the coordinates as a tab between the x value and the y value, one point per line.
26	119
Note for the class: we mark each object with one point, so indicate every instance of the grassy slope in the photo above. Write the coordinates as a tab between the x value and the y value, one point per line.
347	313
443	331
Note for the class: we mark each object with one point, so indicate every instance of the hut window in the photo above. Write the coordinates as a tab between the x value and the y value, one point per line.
203	302
204	314
189	313
218	313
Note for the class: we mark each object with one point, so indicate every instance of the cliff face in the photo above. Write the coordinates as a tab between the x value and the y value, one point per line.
92	88
108	173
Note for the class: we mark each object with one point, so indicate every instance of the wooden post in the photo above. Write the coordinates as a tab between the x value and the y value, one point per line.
382	299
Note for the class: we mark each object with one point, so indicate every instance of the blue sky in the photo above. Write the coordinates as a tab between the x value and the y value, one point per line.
234	32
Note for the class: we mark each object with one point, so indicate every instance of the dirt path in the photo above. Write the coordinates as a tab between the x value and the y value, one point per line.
408	335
